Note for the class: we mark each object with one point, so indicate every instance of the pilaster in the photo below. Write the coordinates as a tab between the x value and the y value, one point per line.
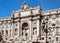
12	29
38	26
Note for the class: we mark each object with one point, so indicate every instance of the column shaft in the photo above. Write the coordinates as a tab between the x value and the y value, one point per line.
18	28
38	27
4	31
30	35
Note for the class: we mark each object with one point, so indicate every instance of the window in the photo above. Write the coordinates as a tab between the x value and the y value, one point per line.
56	38
49	37
6	31
16	30
34	31
58	29
42	38
10	32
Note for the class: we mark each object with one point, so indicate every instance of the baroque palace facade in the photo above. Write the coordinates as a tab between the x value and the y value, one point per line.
31	25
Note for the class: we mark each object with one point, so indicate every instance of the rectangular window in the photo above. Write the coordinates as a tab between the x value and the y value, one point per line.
56	38
16	30
6	31
10	32
49	37
42	38
58	29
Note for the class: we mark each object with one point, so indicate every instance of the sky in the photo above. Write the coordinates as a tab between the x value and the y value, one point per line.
7	6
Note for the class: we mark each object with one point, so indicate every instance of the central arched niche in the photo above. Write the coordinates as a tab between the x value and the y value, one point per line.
25	29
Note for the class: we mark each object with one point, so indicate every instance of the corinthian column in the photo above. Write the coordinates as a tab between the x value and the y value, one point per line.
9	29
18	28
4	31
12	29
38	26
30	31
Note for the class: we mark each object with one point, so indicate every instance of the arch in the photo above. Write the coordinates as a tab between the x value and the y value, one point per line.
25	29
25	24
